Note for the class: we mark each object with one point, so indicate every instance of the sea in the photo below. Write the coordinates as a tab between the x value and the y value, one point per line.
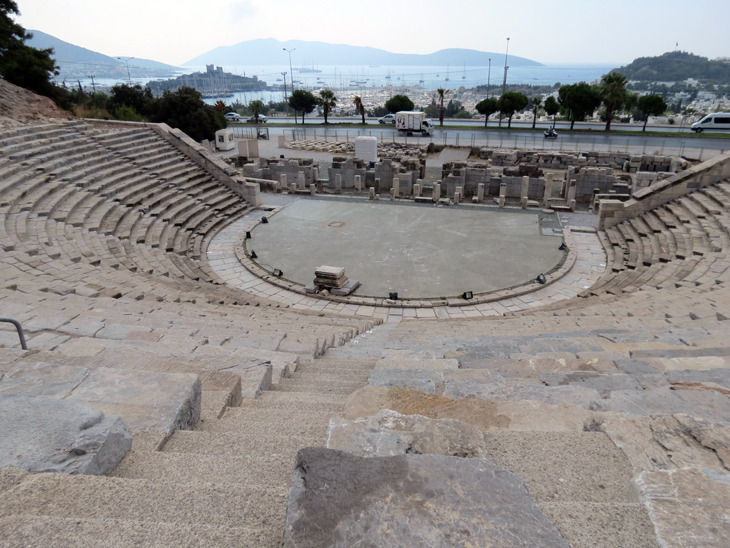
393	78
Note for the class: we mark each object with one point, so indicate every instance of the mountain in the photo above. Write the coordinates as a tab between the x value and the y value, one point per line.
269	52
77	62
675	66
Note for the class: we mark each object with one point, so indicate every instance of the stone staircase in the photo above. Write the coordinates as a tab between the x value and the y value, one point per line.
223	484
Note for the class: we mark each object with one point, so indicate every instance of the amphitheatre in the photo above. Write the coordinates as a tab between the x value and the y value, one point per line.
177	391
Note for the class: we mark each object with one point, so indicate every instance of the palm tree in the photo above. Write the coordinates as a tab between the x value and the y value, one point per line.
613	94
536	102
256	107
359	107
442	94
327	101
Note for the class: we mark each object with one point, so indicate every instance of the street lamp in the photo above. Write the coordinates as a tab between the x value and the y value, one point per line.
489	76
93	86
126	61
290	67
504	82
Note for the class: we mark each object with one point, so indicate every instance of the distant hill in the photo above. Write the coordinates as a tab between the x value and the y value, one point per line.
269	52
675	66
77	62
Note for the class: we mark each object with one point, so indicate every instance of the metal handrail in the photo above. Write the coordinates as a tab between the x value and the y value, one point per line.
19	329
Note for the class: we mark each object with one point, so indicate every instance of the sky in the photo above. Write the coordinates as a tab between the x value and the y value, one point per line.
550	32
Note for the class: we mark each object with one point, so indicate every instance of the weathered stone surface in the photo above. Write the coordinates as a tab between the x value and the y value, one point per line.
707	404
709	379
430	381
48	435
485	415
146	400
389	433
339	500
532	367
603	383
574	395
662	442
417	364
689	506
589	525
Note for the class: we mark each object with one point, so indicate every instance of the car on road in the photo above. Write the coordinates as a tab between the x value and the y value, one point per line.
387	119
716	120
262	119
233	117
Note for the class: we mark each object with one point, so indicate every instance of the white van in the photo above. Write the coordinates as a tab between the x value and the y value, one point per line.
716	120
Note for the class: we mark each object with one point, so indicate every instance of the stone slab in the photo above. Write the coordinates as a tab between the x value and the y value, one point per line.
689	506
705	404
390	433
416	364
486	415
663	442
603	383
515	391
49	435
339	500
430	381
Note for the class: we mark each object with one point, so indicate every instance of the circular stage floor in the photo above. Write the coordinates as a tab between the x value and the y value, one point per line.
416	251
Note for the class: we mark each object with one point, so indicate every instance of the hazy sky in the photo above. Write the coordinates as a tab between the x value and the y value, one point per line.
558	31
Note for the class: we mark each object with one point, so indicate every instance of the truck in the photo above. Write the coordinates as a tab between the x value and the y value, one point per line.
409	121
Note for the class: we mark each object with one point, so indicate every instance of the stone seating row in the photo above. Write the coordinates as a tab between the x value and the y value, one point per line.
192	212
685	240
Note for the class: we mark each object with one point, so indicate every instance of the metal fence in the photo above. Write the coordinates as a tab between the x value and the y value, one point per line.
688	148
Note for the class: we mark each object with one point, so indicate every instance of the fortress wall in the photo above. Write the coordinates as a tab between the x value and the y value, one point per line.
612	212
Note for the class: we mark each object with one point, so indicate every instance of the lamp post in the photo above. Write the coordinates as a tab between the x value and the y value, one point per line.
504	82
93	86
290	67
126	61
291	71
489	76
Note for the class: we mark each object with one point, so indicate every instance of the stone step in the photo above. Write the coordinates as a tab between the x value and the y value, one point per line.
57	532
241	443
564	466
296	402
609	525
325	376
270	472
268	416
313	387
294	425
98	497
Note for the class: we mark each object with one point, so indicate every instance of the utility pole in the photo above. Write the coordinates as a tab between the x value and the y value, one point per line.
504	82
93	86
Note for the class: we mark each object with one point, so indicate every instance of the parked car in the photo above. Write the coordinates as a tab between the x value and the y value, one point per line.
387	119
233	117
262	119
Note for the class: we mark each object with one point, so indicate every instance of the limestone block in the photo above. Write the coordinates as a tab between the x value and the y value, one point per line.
480	192
339	500
47	435
705	404
486	415
662	442
389	433
604	383
392	194
396	187
358	183
437	191
372	193
282	180
688	506
313	189
415	364
417	190
515	391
